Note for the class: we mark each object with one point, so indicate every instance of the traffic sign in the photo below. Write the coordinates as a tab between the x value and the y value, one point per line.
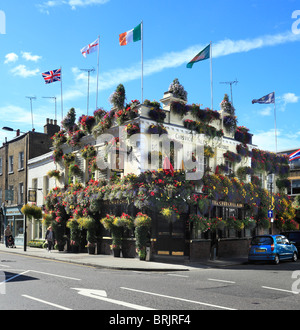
270	214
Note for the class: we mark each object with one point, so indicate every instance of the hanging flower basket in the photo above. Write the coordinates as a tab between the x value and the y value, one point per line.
54	174
32	211
74	170
88	152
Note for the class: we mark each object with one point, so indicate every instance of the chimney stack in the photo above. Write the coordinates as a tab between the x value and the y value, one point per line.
51	127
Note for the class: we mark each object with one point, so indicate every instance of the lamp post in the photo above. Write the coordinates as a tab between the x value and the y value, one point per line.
270	182
9	129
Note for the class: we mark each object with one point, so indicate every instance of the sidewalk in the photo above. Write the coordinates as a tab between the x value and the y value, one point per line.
108	261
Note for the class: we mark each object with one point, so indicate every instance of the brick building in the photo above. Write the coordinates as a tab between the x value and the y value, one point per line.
14	155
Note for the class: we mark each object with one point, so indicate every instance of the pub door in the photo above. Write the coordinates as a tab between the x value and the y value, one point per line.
171	237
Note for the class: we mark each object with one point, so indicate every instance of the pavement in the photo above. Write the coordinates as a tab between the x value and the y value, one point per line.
110	262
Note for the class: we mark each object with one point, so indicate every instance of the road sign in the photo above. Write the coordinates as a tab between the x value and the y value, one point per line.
270	214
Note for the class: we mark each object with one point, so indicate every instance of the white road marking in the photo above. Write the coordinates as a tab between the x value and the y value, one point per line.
176	298
101	295
67	277
269	288
47	302
216	280
178	275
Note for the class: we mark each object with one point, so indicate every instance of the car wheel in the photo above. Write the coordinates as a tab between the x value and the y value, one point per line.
295	257
276	259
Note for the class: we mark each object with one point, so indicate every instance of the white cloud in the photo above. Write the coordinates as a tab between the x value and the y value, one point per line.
28	57
265	140
11	58
266	111
72	3
22	71
290	98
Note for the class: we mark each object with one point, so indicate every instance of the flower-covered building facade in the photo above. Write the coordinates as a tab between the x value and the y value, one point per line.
186	182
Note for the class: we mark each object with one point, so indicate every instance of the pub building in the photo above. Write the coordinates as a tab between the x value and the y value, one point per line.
220	138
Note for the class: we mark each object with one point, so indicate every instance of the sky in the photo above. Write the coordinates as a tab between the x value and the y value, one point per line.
254	42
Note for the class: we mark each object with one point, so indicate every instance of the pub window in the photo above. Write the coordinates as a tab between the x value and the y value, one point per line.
261	179
230	167
206	163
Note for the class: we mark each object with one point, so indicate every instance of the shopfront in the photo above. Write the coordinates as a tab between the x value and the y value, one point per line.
15	219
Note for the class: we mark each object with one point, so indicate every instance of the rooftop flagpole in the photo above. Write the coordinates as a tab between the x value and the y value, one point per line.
211	78
61	95
97	73
275	124
142	54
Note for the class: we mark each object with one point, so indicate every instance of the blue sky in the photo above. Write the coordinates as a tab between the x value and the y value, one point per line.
253	42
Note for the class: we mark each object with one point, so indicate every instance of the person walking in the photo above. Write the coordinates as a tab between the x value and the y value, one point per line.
50	238
7	233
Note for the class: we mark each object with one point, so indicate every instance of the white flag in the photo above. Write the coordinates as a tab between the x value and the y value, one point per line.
90	48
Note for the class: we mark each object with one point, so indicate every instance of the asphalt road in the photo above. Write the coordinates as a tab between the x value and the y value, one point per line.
29	283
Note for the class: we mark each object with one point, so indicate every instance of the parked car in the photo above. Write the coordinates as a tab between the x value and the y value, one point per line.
272	248
294	236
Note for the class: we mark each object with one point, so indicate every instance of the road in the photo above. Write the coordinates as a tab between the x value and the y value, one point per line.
29	283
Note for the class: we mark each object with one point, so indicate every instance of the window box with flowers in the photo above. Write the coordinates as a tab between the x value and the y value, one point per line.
232	157
155	112
204	115
242	135
132	128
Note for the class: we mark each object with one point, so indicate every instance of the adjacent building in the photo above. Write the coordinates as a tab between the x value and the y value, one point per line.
14	157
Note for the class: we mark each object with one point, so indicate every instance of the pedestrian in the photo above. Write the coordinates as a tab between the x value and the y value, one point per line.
7	233
50	238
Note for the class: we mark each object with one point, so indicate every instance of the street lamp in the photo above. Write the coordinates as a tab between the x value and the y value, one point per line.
9	129
270	182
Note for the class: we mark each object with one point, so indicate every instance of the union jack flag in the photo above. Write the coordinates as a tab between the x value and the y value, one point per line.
52	76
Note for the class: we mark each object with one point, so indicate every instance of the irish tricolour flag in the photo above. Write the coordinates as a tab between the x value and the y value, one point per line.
131	36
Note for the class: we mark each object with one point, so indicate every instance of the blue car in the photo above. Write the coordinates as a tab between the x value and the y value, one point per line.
272	248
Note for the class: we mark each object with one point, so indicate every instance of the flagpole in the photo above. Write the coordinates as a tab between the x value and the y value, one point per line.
98	73
211	77
275	124
61	95
142	53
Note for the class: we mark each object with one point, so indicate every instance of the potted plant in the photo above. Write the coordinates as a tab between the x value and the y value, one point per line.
142	224
73	225
110	222
89	224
